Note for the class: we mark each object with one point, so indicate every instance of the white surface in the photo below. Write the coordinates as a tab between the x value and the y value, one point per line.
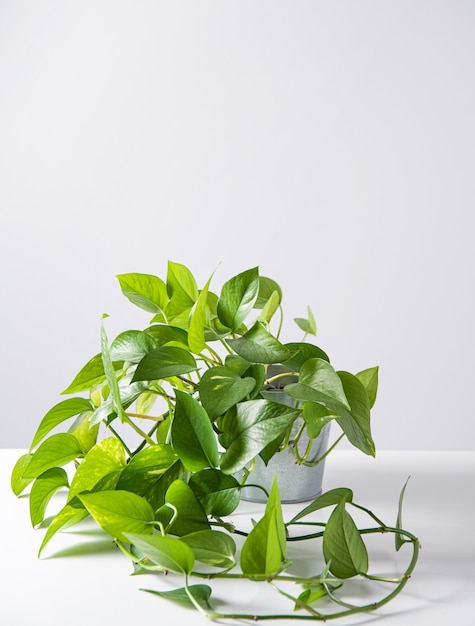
332	143
82	579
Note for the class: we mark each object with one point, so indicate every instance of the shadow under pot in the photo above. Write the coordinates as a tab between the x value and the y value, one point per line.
296	482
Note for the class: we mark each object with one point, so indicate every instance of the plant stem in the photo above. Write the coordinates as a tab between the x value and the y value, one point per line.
320	459
116	434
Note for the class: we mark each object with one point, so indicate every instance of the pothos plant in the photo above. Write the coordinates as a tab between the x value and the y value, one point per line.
157	439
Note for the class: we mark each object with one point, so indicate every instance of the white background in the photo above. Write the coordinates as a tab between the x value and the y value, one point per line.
331	143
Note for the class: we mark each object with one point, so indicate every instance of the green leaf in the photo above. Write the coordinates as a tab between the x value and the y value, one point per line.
131	346
128	392
201	593
105	458
67	517
329	498
181	287
343	546
221	388
199	320
264	551
254	425
190	514
43	489
85	432
163	334
192	434
58	414
369	378
309	325
217	492
316	416
318	382
259	346
144	290
110	376
302	352
237	298
267	288
270	308
56	451
90	376
17	482
399	539
119	512
168	552
355	423
164	362
212	547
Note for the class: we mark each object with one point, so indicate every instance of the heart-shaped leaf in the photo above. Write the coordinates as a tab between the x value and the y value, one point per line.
258	345
221	388
237	298
164	362
343	546
318	382
168	552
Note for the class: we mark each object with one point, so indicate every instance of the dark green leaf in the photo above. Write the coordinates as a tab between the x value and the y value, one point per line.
55	451
220	388
237	298
144	290
355	423
212	547
218	493
131	346
329	498
259	346
119	512
163	334
343	546
254	425
318	382
201	593
316	416
58	414
192	434
90	376
369	378
303	352
43	489
168	552
164	362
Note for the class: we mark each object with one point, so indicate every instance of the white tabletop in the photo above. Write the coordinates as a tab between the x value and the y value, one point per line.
82	579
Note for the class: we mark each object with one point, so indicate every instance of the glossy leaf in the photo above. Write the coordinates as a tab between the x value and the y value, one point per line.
43	489
343	546
131	346
163	334
119	512
254	425
164	362
201	594
199	320
221	388
316	416
58	414
369	378
67	517
181	287
168	552
56	451
264	550
270	308
258	345
17	482
212	547
237	298
145	291
105	458
318	382
190	514
302	352
267	287
355	423
217	492
192	434
90	376
329	498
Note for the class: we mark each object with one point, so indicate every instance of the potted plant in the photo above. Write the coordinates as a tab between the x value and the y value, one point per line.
163	428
